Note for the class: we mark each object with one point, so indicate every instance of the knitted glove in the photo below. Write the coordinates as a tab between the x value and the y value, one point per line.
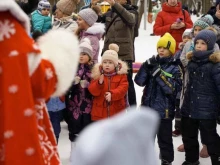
84	83
76	80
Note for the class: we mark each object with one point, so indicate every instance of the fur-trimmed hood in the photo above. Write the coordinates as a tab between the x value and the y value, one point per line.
96	69
96	29
214	57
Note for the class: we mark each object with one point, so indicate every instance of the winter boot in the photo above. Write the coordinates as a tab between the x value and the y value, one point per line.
181	148
189	163
204	152
165	162
176	133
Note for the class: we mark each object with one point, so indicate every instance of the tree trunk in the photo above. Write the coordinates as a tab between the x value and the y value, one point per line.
206	5
140	11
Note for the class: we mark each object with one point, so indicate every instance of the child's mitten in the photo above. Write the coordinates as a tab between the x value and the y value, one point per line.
84	83
76	80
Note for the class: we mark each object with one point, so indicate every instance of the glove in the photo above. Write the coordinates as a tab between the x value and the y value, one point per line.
84	83
151	62
156	71
218	120
76	80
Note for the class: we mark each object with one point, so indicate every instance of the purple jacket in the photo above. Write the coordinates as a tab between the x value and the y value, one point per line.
94	34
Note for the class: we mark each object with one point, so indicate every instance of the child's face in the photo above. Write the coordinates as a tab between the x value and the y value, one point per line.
58	14
196	30
186	39
82	24
84	58
108	65
163	52
201	45
45	12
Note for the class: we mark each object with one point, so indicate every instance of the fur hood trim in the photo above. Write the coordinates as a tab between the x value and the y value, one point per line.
96	71
212	29
96	28
214	57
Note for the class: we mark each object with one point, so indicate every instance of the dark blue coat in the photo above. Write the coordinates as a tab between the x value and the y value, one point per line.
201	99
160	93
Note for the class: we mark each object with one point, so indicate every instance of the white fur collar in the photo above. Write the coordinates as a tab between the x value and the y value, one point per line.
96	28
16	11
96	69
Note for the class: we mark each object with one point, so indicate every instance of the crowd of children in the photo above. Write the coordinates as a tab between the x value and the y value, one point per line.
183	85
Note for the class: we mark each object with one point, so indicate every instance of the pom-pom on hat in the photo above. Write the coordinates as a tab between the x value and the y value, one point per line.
208	36
85	47
168	42
187	32
208	19
66	6
43	4
111	54
89	16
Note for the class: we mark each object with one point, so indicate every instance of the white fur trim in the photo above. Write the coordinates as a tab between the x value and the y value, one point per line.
96	71
61	48
96	28
33	62
16	11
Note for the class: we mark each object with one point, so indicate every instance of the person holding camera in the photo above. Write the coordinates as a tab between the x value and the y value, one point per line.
172	19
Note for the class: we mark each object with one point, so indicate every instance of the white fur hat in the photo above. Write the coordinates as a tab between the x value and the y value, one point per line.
111	54
124	139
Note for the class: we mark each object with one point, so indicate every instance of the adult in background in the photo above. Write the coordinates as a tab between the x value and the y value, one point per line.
120	23
172	19
28	6
214	11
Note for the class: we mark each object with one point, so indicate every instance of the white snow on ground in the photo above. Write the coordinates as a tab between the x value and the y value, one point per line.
145	47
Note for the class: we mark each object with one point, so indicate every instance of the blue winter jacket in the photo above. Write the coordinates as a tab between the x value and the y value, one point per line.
40	22
160	91
202	96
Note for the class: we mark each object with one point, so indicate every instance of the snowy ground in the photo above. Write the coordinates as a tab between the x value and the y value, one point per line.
145	47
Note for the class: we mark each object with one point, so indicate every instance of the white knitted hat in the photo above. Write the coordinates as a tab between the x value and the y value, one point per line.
43	4
111	54
125	139
85	47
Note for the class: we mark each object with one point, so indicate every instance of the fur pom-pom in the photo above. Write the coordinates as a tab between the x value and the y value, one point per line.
61	48
114	47
212	29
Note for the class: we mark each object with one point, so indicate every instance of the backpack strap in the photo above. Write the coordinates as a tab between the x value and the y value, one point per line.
183	14
110	24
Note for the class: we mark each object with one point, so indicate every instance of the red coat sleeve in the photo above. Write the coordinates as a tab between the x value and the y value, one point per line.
95	88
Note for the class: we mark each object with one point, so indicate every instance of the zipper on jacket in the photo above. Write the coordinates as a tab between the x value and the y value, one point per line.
108	103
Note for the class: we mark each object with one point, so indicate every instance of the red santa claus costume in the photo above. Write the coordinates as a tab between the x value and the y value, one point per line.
28	75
